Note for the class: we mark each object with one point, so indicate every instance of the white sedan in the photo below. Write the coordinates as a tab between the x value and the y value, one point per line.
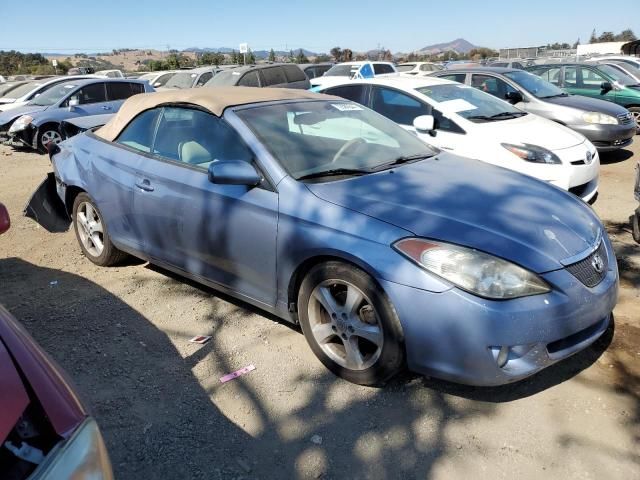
23	94
474	124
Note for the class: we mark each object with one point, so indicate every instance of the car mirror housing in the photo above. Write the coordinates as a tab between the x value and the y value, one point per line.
424	123
514	97
233	172
73	103
606	86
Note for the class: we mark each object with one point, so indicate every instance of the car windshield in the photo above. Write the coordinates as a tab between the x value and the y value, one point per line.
332	138
23	89
341	71
627	67
470	103
54	94
7	88
407	67
619	76
535	85
182	80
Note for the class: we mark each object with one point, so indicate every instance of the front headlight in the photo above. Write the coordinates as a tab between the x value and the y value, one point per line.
83	457
599	118
21	123
533	153
476	272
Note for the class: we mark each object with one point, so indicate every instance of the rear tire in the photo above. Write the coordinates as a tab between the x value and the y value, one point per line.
350	324
92	235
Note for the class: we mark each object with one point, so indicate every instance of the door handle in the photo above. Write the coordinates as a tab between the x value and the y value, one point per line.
106	107
145	185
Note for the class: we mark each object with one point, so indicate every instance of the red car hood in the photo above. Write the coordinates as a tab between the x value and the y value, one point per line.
22	360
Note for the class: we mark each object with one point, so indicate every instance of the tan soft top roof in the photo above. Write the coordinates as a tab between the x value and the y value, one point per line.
214	99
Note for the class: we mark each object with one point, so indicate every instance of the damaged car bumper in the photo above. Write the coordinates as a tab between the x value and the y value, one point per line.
46	207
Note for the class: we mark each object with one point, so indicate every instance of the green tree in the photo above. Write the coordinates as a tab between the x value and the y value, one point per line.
301	57
291	58
594	37
336	53
347	55
272	55
626	36
322	58
251	58
606	37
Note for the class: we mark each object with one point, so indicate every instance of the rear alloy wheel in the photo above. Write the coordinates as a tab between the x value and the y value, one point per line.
350	324
91	233
46	135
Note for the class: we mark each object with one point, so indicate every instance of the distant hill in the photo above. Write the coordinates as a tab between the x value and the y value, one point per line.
459	45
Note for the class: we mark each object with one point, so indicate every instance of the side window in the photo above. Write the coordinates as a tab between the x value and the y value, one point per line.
139	133
442	123
122	90
197	138
310	72
93	93
294	74
350	92
425	67
517	65
274	76
204	78
570	77
551	75
492	85
456	77
591	79
382	68
397	106
249	79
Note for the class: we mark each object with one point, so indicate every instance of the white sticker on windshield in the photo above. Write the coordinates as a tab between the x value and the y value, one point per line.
457	105
69	86
346	107
235	73
194	75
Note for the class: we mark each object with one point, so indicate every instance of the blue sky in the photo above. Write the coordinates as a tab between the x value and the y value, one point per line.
405	25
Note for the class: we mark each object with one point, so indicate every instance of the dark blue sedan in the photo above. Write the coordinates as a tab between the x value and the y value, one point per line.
387	252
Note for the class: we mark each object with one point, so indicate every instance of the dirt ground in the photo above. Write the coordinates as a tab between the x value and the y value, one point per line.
122	335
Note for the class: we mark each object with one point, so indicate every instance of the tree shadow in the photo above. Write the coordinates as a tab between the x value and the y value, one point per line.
157	420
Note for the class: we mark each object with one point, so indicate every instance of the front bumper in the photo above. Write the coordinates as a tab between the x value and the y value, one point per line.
26	136
459	337
607	138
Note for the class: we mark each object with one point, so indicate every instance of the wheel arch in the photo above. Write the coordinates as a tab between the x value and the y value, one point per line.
71	192
303	268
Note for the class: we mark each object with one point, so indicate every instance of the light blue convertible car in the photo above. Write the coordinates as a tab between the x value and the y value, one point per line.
316	209
37	123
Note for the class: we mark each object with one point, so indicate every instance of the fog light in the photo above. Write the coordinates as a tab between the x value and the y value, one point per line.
503	354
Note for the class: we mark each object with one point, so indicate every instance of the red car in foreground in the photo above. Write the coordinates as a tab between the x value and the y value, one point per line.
45	432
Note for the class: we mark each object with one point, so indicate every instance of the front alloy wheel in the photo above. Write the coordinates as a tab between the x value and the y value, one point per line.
350	324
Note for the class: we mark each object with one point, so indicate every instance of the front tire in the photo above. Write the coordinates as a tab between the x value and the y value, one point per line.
92	235
635	112
48	133
350	324
635	225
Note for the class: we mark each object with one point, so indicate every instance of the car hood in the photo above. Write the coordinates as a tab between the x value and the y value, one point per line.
10	115
588	104
474	204
533	130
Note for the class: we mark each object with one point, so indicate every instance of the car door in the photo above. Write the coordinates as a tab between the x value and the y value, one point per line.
92	100
403	109
590	82
115	174
225	234
274	77
204	78
454	77
250	79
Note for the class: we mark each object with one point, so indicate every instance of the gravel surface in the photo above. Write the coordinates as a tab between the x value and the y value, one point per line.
122	335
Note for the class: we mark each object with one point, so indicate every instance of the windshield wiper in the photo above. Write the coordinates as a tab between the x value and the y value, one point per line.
334	172
556	95
481	117
508	115
401	160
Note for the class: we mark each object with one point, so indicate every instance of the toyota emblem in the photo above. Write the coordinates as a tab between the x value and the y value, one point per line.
597	263
589	159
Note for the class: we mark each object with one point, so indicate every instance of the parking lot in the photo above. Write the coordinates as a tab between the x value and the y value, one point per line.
122	335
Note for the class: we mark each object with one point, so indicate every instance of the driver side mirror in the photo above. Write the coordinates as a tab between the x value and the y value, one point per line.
606	87
157	84
73	103
514	97
424	123
233	172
